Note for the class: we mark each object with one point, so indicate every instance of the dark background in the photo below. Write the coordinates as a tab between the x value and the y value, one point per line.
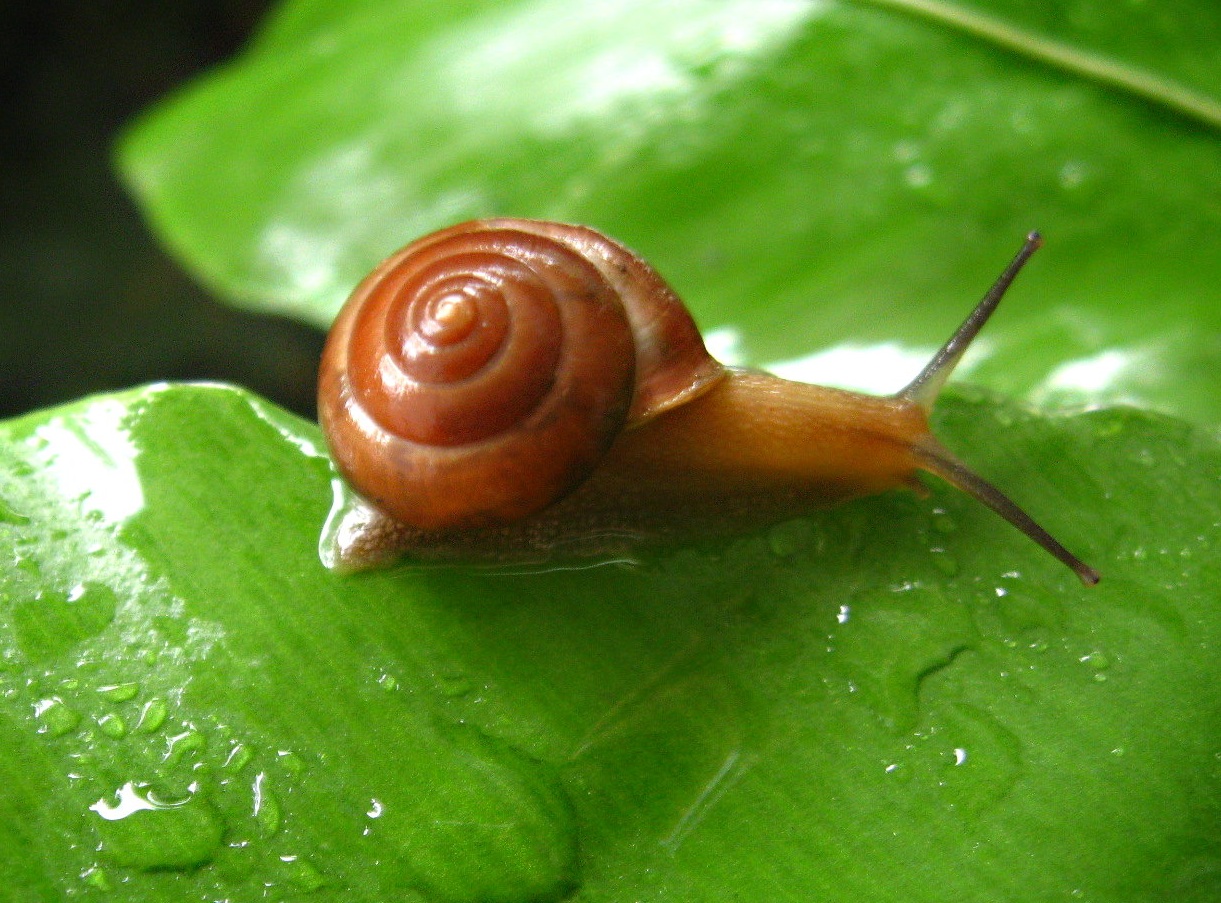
88	301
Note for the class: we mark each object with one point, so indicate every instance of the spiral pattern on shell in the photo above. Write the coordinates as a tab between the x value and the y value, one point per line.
480	373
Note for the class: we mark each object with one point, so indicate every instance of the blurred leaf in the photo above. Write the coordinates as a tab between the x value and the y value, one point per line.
896	700
805	171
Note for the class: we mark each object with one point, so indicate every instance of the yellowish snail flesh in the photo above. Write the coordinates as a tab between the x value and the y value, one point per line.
518	391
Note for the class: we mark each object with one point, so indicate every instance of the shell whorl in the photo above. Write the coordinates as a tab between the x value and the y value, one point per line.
480	373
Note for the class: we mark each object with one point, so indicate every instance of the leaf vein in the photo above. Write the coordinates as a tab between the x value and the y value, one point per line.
1104	70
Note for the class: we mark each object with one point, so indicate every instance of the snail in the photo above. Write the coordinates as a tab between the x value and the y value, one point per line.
519	391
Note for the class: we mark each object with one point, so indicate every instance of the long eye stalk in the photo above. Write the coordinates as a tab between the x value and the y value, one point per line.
933	457
925	388
937	460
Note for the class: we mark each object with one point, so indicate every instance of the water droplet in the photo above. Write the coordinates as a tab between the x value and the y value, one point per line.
899	773
142	829
120	692
152	716
388	682
984	761
182	745
1097	660
302	873
1021	619
96	877
375	809
55	717
493	825
893	643
266	808
53	622
10	515
112	726
29	566
290	762
239	757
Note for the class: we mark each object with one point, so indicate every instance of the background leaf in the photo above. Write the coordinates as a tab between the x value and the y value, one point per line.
191	706
804	172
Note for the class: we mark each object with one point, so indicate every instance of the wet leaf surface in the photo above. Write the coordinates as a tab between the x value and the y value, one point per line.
192	707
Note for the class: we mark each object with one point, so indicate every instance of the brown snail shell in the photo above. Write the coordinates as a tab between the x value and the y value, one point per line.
480	374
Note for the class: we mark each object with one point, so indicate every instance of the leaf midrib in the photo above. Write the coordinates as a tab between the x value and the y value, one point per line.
1100	68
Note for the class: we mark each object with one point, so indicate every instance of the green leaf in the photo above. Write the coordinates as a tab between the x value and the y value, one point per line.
806	173
895	700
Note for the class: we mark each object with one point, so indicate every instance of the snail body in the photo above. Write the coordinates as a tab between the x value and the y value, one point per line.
513	391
